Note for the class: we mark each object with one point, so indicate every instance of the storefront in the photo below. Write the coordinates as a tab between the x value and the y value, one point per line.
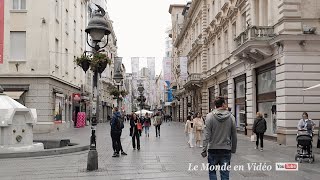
266	96
223	89
211	98
240	102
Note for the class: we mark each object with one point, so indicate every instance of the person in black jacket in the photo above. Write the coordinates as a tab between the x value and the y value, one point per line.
116	130
259	128
134	132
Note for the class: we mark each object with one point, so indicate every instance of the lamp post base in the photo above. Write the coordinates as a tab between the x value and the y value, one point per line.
92	163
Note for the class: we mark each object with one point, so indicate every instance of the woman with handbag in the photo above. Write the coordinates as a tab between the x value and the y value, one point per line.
199	126
135	131
259	128
146	124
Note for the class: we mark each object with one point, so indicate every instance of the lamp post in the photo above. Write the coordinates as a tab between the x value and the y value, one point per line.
97	28
141	97
118	77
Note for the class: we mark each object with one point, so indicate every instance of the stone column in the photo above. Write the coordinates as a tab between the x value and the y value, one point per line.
250	96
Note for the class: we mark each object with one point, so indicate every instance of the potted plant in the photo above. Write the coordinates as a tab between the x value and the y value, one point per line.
115	92
83	61
123	93
99	62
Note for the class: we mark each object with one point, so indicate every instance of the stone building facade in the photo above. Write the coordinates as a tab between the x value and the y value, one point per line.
259	54
42	39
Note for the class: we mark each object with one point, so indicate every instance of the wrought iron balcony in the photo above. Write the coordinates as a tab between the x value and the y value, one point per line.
255	33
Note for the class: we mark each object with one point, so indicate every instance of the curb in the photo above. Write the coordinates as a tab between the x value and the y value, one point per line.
47	152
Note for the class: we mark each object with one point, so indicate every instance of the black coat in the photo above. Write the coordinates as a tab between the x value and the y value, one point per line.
259	125
133	127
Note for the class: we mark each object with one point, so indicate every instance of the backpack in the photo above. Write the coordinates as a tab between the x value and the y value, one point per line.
119	123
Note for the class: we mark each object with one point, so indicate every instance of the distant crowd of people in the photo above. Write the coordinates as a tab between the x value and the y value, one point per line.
137	124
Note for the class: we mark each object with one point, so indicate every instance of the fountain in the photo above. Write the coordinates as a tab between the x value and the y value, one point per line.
16	123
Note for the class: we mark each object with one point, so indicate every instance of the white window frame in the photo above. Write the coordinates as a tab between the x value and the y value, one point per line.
12	45
19	5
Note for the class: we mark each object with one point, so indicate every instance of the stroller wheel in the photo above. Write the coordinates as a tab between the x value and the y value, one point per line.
300	160
310	160
296	157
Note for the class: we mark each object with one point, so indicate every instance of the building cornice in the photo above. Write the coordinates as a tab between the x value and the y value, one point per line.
187	22
39	76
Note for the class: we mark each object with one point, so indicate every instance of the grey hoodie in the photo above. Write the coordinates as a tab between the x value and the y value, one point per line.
220	131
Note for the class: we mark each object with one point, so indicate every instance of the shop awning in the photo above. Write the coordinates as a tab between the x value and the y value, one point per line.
14	94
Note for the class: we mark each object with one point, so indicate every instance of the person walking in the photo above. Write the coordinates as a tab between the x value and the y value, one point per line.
220	139
157	123
147	124
116	130
189	130
199	126
134	132
259	128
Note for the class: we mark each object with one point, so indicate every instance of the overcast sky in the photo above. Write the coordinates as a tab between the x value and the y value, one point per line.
140	27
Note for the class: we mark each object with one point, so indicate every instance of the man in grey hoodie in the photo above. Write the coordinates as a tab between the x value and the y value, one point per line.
220	139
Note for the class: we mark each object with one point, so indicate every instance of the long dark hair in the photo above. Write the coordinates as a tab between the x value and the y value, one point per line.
305	113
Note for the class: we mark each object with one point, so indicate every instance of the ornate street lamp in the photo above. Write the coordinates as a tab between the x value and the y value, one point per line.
117	76
97	28
141	98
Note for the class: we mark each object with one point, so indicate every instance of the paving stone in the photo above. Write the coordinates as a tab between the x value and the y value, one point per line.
167	157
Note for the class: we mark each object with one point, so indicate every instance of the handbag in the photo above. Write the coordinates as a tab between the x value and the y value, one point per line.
199	128
253	138
139	126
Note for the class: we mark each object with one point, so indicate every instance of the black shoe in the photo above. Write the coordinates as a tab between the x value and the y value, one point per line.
123	153
138	149
134	148
116	155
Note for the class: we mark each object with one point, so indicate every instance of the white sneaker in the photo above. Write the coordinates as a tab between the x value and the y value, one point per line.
191	146
201	146
256	147
261	149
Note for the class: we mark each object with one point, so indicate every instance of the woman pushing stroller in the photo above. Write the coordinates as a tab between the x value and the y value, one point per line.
304	138
306	124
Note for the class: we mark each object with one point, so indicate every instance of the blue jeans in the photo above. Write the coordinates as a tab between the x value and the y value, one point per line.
218	159
146	129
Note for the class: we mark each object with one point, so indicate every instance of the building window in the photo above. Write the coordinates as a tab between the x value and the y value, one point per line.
224	89
19	4
211	99
18	45
56	52
67	21
266	95
240	101
57	7
75	31
66	58
226	48
243	21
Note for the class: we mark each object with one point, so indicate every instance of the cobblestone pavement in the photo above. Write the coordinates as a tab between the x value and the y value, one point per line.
167	157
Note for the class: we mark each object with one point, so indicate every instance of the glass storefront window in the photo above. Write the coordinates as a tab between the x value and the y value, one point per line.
240	89
240	116
269	115
211	98
267	82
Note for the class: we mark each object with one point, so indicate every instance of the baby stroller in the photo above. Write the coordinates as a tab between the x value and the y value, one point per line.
304	146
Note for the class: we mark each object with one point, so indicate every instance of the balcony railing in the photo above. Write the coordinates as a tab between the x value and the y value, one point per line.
194	77
255	33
